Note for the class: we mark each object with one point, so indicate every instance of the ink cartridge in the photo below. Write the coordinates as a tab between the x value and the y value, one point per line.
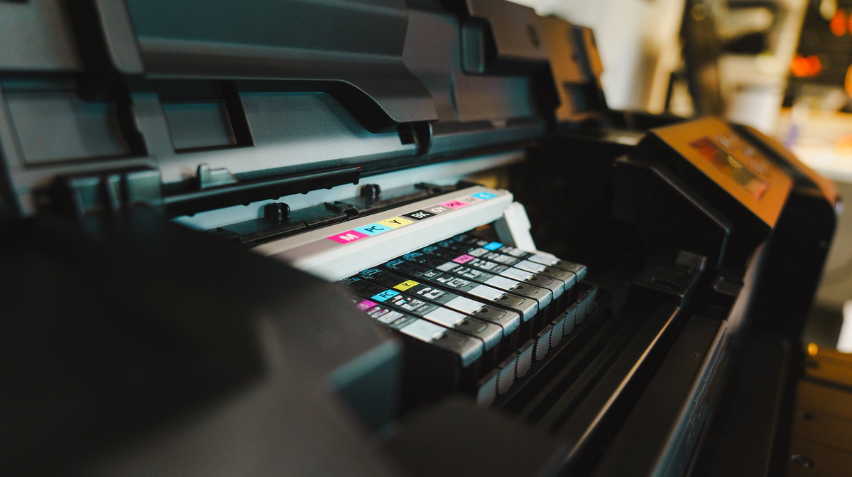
539	257
544	295
569	278
498	298
489	333
508	321
436	361
450	255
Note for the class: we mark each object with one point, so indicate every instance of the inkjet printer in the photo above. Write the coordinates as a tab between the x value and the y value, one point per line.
381	238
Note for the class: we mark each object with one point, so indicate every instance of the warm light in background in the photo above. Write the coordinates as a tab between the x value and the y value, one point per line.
805	66
848	83
838	23
843	145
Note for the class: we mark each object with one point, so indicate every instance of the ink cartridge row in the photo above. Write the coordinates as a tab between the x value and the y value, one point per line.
436	360
510	305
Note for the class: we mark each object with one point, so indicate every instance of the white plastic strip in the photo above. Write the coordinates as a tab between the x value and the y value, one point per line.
465	305
341	250
423	330
514	228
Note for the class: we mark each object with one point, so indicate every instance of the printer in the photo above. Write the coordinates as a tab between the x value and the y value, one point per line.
381	238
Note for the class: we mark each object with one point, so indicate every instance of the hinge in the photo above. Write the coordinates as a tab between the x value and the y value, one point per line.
110	191
417	133
208	177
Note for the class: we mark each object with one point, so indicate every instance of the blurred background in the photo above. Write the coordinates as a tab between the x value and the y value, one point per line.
782	66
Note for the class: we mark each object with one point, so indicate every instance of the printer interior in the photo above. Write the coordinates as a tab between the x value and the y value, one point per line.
379	238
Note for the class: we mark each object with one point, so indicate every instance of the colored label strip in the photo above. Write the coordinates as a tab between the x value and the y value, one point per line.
392	223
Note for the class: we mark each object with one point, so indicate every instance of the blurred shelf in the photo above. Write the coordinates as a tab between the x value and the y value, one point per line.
817	142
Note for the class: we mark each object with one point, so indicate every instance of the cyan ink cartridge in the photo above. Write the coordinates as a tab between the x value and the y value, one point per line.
496	296
489	333
508	320
527	308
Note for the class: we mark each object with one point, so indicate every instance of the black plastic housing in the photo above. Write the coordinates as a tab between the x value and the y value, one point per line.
133	343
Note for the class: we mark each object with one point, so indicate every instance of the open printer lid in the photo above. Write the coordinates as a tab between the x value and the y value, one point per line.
211	357
198	105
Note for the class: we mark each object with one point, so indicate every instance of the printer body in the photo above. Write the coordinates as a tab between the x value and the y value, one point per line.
377	238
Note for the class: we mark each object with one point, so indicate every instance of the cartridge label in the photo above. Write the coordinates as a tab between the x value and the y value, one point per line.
515	252
492	246
406	285
366	305
430	293
486	265
431	274
454	204
461	259
381	297
390	316
470	200
470	273
415	306
419	215
500	258
348	236
395	222
455	282
373	229
437	209
384	314
409	218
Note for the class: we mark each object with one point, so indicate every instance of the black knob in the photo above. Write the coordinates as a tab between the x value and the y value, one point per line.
371	191
277	211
